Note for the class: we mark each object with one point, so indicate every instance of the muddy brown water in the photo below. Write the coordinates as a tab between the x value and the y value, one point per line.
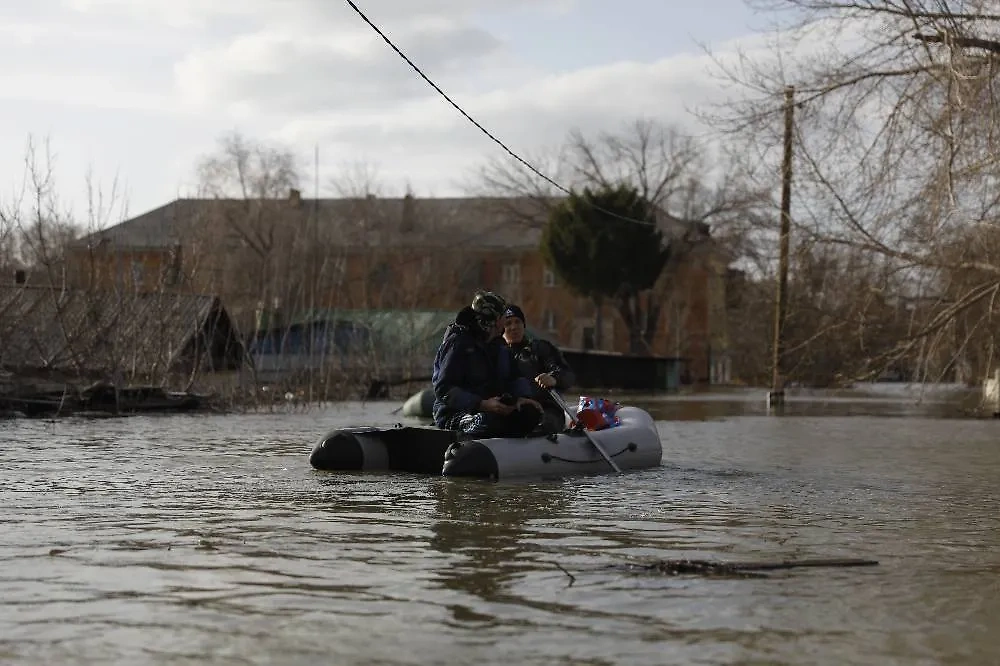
209	539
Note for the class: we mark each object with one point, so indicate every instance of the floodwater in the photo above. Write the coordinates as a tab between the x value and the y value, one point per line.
208	539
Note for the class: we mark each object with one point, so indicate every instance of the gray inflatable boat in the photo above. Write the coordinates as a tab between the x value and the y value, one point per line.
635	444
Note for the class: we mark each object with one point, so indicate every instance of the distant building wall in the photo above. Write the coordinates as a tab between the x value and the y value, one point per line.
373	254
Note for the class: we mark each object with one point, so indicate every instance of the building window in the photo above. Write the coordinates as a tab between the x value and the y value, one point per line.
549	277
381	275
339	268
549	319
172	270
511	273
470	275
138	272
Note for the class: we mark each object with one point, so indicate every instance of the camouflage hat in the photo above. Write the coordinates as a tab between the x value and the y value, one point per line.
488	305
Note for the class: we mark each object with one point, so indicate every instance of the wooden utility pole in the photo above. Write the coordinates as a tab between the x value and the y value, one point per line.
776	397
990	45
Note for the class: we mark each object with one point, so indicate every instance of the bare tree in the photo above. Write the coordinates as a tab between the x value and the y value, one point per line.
246	169
895	158
674	171
358	179
76	316
656	159
37	229
254	220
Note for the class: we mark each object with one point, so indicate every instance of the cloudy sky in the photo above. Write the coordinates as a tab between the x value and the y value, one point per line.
142	88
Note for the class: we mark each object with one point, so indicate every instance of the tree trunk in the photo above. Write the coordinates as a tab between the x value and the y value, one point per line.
653	308
598	324
630	309
636	345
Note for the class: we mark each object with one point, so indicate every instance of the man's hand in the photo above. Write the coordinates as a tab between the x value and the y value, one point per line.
495	406
545	380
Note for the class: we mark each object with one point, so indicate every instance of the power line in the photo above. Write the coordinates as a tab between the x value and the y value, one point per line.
472	120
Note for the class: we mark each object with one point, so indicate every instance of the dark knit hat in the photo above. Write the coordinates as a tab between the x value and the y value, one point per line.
514	311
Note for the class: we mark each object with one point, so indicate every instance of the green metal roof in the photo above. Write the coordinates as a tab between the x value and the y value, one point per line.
406	332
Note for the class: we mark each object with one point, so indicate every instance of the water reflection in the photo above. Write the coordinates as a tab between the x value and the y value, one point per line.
875	400
487	525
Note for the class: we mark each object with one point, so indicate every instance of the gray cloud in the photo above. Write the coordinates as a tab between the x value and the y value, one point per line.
538	112
287	73
428	143
299	12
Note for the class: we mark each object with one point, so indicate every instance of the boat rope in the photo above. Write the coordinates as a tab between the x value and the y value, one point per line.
548	457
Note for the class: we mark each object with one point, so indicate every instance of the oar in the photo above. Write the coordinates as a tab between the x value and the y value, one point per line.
600	449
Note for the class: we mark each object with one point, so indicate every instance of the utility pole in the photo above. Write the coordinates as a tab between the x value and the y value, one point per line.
990	45
314	277
776	397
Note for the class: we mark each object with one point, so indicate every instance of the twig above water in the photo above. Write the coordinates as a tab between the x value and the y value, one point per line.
572	578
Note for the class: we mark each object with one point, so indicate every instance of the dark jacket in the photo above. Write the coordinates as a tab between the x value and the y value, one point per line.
535	356
469	369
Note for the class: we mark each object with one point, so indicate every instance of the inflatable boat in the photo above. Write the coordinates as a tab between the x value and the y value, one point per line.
420	405
634	444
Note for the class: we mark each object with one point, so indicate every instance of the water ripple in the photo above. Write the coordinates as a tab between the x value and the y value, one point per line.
194	539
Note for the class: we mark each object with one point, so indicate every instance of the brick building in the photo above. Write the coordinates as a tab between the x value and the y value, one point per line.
295	254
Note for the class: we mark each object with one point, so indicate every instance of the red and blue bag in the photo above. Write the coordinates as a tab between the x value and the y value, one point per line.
597	413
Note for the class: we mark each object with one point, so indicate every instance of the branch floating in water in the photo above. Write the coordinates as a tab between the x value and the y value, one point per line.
709	568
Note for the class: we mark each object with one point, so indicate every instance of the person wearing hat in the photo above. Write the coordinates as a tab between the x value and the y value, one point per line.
543	363
478	389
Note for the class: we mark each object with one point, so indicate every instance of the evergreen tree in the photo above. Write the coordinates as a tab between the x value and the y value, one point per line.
605	245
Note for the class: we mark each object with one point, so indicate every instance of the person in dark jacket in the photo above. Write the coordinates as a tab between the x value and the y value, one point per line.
478	389
541	361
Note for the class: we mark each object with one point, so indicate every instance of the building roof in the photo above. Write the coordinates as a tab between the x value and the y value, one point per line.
501	222
156	228
86	331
